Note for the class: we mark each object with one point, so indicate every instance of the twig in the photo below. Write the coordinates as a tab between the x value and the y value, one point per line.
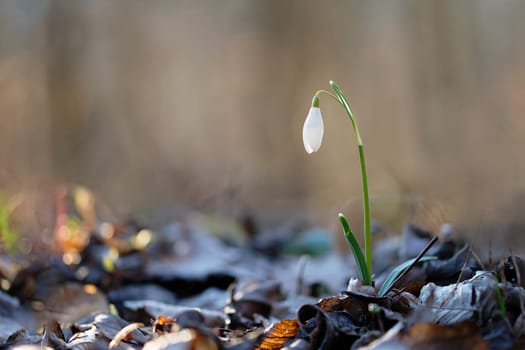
478	259
416	260
469	253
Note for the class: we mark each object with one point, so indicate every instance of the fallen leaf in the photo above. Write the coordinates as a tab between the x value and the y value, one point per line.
430	336
276	338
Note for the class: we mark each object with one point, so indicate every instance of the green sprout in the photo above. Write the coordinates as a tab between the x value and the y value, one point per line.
313	130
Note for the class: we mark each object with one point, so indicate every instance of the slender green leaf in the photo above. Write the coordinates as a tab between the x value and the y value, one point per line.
356	252
399	270
346	105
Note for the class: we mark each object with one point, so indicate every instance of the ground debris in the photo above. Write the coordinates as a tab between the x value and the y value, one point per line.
125	286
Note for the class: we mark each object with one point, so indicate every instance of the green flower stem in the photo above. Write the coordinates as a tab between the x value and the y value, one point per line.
366	210
364	178
328	93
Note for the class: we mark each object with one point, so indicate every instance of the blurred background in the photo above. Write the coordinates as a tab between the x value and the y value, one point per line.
201	104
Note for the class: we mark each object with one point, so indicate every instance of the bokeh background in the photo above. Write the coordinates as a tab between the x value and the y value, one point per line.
201	103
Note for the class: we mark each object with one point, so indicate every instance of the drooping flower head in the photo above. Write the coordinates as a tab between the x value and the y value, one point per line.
313	128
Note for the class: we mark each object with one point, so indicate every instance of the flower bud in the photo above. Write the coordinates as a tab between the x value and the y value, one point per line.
313	130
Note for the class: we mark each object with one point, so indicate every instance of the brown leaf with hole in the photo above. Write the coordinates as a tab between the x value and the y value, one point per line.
279	334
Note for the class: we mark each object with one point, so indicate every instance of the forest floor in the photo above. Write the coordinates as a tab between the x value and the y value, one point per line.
205	282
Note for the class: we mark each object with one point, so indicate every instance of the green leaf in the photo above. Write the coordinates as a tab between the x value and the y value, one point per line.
399	270
356	252
346	105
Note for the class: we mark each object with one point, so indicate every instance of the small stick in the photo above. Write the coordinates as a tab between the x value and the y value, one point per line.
469	253
416	260
478	259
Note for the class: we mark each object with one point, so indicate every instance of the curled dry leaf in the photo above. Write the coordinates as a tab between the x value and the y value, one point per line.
279	335
322	331
356	304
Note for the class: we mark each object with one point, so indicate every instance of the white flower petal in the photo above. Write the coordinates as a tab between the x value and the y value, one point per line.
313	130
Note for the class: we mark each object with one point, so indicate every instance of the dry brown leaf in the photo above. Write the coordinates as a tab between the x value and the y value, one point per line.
431	336
462	335
278	335
330	304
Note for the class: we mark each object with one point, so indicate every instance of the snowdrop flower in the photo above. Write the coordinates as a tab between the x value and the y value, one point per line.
313	128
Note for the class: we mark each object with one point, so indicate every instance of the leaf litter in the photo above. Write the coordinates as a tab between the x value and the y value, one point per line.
120	285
